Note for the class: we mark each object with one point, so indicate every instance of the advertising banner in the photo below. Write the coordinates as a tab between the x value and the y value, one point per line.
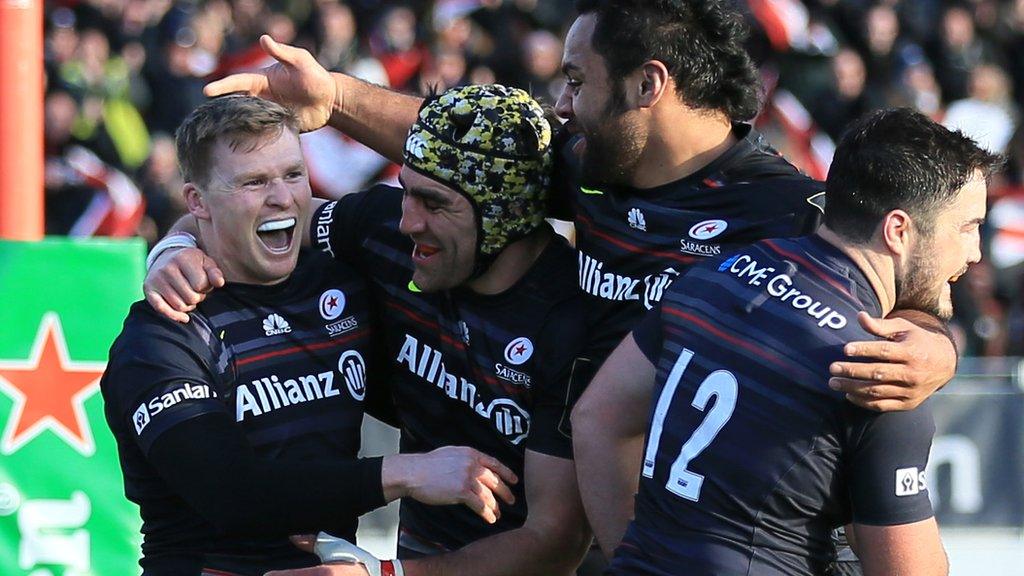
62	505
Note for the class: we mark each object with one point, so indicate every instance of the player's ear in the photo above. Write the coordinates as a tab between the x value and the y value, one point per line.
655	81
195	202
898	232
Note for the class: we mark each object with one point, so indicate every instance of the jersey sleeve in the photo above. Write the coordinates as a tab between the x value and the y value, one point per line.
338	228
159	377
649	334
569	370
887	455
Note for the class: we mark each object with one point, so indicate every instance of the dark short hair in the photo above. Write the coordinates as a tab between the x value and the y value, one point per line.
898	159
245	121
699	41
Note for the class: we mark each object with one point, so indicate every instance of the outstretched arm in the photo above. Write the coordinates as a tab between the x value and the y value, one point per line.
608	424
916	358
373	115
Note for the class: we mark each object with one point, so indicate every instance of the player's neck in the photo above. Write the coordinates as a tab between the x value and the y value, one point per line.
681	141
875	264
513	262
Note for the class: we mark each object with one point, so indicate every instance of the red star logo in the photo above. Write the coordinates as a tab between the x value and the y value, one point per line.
520	349
710	228
332	302
49	391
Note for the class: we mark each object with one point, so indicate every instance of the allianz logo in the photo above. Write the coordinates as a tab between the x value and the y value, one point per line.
507	417
264	395
610	286
780	286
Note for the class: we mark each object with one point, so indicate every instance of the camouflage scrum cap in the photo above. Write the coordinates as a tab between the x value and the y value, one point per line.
492	144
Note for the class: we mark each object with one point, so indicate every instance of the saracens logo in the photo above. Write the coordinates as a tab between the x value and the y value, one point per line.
332	304
708	229
518	351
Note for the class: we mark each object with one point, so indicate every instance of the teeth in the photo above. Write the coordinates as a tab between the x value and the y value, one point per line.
276	225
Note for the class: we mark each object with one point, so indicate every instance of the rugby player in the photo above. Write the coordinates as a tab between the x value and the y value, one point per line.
482	321
242	426
657	169
750	459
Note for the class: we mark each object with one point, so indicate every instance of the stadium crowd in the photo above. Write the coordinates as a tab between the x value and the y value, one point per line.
123	74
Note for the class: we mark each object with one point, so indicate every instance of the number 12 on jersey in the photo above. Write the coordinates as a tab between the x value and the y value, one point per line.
720	384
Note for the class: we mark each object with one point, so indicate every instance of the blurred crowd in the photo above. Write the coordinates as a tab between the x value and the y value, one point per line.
122	74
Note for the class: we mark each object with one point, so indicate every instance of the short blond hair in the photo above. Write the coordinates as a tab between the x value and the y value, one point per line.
245	121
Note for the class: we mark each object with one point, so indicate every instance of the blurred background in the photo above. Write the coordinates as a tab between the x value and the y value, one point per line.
122	74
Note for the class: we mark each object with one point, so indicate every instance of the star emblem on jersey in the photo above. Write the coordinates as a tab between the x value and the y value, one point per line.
49	391
332	304
275	324
636	220
518	351
708	229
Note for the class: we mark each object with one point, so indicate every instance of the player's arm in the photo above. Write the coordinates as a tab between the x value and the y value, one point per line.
908	549
208	462
915	358
551	541
608	423
370	114
885	456
179	278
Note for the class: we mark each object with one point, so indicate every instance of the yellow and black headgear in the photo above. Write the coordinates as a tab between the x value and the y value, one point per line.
492	144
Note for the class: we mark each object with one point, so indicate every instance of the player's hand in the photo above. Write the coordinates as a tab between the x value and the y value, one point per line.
915	359
450	475
341	558
296	81
179	280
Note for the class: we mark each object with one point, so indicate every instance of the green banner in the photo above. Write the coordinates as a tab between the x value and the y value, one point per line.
62	504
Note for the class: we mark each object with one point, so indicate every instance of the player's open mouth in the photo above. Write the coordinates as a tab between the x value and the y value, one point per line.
277	235
423	252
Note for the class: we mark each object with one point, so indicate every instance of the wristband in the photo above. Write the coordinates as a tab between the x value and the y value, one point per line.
179	239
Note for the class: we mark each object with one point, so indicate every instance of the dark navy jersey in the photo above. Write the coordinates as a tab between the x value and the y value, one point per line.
488	371
634	242
751	460
286	363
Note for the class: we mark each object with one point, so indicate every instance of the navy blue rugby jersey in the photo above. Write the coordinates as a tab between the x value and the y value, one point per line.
493	372
634	242
751	460
286	363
